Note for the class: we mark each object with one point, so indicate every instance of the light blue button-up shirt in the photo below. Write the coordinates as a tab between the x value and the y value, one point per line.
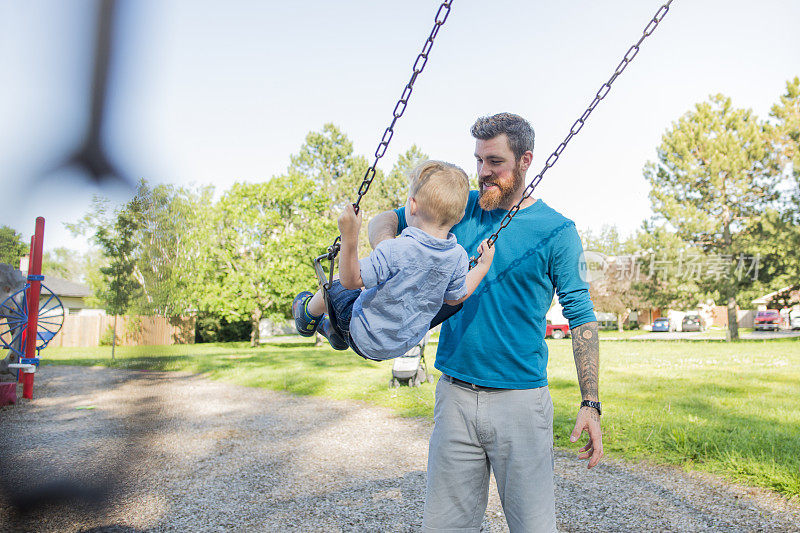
406	281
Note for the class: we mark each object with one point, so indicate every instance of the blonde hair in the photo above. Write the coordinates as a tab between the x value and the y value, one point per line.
440	190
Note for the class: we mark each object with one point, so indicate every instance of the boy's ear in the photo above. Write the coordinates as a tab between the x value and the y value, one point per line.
412	205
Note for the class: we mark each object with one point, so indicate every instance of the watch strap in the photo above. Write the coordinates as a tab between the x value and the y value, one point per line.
590	403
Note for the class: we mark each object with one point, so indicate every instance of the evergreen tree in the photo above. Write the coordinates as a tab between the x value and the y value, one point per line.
713	178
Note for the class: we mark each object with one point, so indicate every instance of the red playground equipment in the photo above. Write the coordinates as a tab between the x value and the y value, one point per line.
32	308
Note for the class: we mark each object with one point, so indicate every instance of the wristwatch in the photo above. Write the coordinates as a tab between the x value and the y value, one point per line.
590	403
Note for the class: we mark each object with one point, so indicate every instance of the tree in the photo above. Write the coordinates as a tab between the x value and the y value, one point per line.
608	241
713	178
391	190
158	219
117	244
327	159
12	246
387	191
113	232
81	267
785	134
62	262
668	271
776	237
254	251
616	290
163	217
70	264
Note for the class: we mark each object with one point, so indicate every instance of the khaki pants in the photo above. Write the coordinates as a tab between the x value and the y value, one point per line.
507	430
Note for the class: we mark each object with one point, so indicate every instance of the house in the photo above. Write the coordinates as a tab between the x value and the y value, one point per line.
776	300
606	320
73	295
786	300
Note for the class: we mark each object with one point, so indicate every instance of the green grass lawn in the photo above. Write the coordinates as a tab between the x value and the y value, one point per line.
730	409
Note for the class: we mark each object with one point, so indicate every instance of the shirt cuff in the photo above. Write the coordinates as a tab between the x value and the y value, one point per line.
582	319
456	294
368	275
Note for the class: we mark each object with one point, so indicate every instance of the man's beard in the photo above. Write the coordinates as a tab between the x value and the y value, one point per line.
503	193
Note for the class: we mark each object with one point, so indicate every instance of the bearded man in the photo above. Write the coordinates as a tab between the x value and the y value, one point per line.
493	409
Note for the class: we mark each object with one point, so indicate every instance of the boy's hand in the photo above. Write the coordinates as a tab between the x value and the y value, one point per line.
350	222
475	275
487	255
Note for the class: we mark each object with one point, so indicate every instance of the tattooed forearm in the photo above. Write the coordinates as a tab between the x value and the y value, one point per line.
586	351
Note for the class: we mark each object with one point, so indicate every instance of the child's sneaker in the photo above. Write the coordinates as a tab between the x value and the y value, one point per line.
327	331
305	323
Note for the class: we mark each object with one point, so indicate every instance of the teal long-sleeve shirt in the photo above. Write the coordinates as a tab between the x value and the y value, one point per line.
497	339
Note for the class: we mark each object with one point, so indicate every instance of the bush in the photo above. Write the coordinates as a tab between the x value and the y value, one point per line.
212	329
107	338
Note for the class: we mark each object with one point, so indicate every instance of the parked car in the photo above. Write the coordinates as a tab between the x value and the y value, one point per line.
794	320
692	323
661	324
557	331
769	319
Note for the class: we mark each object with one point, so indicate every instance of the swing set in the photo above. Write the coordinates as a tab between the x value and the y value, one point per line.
325	280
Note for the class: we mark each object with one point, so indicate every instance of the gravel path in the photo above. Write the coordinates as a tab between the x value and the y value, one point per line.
192	454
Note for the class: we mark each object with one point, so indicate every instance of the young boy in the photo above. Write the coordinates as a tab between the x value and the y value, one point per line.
406	279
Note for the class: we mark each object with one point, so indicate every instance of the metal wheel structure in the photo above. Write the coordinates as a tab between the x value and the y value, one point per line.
14	320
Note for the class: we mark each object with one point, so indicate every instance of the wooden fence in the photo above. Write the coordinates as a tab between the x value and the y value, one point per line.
82	331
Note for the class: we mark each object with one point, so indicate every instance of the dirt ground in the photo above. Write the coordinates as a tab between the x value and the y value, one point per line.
156	451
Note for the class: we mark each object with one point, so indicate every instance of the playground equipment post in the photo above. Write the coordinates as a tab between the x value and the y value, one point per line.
34	291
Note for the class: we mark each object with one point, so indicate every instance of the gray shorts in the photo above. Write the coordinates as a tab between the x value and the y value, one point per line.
507	430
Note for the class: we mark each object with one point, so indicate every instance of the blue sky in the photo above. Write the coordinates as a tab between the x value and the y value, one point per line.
216	92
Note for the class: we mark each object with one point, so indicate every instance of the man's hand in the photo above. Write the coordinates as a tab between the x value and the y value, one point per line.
589	421
350	223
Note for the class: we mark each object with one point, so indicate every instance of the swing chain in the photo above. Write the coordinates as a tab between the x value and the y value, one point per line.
578	124
399	109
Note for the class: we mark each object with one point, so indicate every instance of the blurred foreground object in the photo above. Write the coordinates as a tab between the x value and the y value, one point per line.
91	157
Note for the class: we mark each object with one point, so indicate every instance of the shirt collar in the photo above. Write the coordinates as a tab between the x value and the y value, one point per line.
429	240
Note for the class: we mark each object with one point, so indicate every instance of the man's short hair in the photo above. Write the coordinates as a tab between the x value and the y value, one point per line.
441	190
518	130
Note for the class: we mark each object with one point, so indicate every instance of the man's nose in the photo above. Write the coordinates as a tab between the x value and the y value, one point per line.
483	170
